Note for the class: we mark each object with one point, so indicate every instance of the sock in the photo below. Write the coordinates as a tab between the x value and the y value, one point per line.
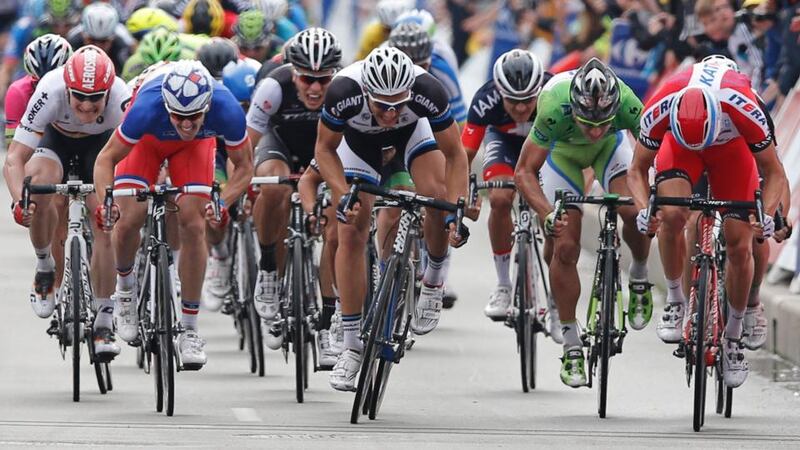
176	258
268	258
105	313
446	267
434	273
733	329
44	259
220	251
125	279
338	303
502	261
570	331
675	292
351	326
753	298
638	270
328	309
189	314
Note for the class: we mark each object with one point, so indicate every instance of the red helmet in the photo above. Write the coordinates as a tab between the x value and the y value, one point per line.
89	71
695	118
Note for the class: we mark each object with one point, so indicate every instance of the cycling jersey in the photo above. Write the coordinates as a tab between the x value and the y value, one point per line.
285	29
277	110
49	105
444	67
374	34
741	113
16	102
22	33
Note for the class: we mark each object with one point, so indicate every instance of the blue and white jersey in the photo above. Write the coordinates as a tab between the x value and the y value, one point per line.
444	67
148	115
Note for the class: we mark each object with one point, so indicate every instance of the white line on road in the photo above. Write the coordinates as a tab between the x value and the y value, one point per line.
246	415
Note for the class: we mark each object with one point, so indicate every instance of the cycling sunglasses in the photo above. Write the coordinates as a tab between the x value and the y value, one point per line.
385	106
92	98
190	117
517	101
310	78
589	123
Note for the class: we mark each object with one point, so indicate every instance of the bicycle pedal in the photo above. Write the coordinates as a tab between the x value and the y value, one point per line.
52	330
679	352
191	367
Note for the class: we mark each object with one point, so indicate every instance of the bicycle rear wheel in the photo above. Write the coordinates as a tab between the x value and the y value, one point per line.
607	300
699	328
164	325
297	299
249	279
76	298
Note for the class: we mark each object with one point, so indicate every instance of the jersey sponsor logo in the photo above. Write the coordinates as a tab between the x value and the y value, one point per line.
707	74
657	112
36	108
427	104
89	70
347	103
309	116
539	135
761	145
481	107
649	143
744	104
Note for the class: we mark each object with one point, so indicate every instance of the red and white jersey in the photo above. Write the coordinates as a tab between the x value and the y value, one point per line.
49	105
741	113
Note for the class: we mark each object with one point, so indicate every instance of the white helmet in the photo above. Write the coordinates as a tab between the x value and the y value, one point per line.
44	54
187	88
720	60
518	74
272	9
387	71
419	16
99	20
389	10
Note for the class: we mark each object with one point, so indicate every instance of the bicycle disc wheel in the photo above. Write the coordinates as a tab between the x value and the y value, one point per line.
76	298
298	330
369	356
606	322
699	348
164	326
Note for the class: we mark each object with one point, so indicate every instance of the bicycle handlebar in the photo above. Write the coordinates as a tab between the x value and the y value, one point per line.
71	187
273	180
475	186
609	200
160	190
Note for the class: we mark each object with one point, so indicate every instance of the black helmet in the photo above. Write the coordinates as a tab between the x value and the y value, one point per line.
518	74
314	49
216	54
594	93
413	40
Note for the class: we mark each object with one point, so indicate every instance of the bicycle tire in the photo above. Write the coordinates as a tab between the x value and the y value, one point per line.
522	326
700	378
109	384
252	315
75	310
298	311
606	322
100	376
164	326
371	349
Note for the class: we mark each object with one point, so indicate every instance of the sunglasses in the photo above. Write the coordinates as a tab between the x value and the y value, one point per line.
591	124
517	101
93	41
190	117
389	106
92	98
309	79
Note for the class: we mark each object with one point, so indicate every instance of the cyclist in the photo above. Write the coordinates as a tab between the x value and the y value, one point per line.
507	106
204	17
42	55
100	26
253	34
216	54
580	123
377	31
69	117
175	115
157	45
708	118
283	119
145	20
368	107
275	12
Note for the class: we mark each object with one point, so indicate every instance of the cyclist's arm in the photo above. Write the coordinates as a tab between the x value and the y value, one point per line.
14	168
115	150
307	187
471	138
456	166
526	176
638	174
775	182
239	180
330	166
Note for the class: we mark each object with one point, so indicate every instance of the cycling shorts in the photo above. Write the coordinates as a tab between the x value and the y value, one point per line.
62	149
190	163
501	154
272	147
563	170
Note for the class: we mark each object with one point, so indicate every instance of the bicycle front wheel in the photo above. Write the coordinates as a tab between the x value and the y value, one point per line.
251	272
522	321
699	328
164	326
607	300
76	298
298	311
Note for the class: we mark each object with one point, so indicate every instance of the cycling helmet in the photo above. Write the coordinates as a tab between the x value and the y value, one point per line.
216	54
204	17
240	78
720	60
314	49
518	74
413	40
89	71
389	10
252	28
387	71
419	16
44	54
60	10
169	6
272	9
594	93
694	118
187	88
99	20
145	19
160	45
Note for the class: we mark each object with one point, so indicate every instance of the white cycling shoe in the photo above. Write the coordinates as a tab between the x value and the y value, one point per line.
43	296
126	315
217	284
554	322
327	357
266	295
428	311
754	334
343	376
192	348
337	334
734	365
499	303
670	328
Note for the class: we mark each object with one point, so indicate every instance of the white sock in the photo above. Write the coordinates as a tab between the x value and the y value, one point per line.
434	273
44	259
570	332
125	282
733	329
351	327
675	291
638	270
105	313
502	262
176	258
220	251
189	313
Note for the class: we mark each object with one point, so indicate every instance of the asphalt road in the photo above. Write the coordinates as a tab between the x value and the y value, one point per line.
458	388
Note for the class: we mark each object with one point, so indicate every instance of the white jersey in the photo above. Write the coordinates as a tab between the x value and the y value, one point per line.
49	105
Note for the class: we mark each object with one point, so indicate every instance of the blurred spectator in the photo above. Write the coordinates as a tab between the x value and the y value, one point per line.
789	62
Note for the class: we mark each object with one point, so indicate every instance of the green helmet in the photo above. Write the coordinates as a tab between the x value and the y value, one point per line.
252	28
60	9
160	45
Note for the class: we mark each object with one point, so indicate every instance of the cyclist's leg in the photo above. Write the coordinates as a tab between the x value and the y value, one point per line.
217	281
393	176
